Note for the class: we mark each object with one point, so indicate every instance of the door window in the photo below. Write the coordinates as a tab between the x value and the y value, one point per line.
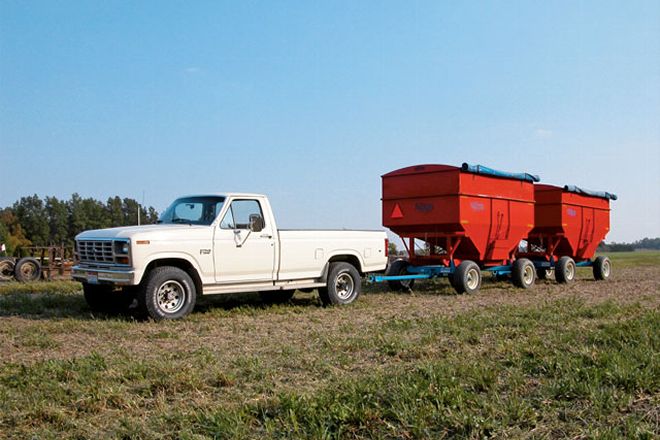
238	214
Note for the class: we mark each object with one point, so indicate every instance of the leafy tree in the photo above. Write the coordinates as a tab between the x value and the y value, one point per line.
58	220
392	249
33	221
115	211
11	232
33	217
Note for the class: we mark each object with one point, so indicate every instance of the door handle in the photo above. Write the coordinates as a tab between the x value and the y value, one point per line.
266	236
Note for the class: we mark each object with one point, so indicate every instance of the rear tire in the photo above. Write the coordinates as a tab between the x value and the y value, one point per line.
343	286
467	277
602	268
399	267
27	269
276	296
523	273
565	270
7	268
167	293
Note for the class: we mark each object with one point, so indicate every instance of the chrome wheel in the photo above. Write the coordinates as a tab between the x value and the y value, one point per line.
171	296
344	285
606	269
570	272
472	279
528	275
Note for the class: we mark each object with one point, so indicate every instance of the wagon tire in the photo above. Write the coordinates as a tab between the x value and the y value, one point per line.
467	278
343	286
7	268
105	299
523	273
27	269
602	268
399	267
565	270
166	293
276	296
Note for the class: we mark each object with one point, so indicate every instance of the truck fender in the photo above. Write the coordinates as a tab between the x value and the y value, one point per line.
346	255
169	256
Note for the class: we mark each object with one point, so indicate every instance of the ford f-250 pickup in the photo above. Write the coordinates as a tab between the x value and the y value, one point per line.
220	243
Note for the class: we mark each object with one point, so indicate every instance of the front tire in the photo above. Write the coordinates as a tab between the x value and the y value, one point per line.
168	293
399	267
343	286
602	268
565	270
467	278
523	273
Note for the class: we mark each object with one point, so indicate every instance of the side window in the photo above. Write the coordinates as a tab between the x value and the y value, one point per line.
238	214
228	221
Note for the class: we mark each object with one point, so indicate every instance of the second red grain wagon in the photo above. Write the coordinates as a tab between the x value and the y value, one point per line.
569	223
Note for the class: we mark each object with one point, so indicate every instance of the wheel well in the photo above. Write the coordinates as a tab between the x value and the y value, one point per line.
181	264
352	259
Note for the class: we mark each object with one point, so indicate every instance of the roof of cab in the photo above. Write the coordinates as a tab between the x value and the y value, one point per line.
227	194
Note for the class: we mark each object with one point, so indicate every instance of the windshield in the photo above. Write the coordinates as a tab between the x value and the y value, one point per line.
193	210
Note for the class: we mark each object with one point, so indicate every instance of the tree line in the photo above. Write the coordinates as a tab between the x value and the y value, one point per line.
32	221
644	243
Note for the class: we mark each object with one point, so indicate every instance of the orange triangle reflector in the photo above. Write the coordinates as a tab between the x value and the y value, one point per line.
396	212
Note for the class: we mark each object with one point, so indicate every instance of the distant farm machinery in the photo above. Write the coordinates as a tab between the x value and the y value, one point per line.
38	263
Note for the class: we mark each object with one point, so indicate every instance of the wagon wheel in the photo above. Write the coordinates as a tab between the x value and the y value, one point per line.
27	269
602	268
6	269
545	274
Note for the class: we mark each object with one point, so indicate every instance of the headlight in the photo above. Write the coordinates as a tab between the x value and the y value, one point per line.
121	247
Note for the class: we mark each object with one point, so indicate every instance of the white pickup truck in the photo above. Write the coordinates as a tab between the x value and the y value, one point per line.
220	243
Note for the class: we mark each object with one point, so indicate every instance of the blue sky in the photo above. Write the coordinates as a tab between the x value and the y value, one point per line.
311	102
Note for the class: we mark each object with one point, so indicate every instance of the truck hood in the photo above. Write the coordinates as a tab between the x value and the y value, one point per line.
150	232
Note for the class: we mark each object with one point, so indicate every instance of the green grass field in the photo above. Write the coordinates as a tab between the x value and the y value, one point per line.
577	361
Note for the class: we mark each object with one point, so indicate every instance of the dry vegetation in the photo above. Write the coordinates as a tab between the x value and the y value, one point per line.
555	361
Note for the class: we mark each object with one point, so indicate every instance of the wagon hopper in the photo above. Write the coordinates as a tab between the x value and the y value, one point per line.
467	219
569	223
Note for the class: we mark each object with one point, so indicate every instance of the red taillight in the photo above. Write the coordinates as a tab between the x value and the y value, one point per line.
387	247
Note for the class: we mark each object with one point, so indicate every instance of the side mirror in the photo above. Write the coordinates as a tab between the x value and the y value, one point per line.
257	223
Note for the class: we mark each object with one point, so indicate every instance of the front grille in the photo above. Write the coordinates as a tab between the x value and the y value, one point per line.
96	251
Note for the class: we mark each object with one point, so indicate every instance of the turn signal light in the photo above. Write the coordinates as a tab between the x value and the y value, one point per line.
122	260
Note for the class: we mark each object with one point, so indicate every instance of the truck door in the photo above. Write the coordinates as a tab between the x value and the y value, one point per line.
241	255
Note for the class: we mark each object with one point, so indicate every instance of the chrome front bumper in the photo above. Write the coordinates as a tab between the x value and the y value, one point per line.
103	276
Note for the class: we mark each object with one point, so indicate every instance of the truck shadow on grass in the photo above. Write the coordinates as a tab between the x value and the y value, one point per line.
44	306
54	305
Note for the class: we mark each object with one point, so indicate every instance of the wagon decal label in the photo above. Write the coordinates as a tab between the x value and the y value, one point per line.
571	212
477	206
396	212
424	207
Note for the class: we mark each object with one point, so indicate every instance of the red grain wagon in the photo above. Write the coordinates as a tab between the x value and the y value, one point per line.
569	223
470	218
